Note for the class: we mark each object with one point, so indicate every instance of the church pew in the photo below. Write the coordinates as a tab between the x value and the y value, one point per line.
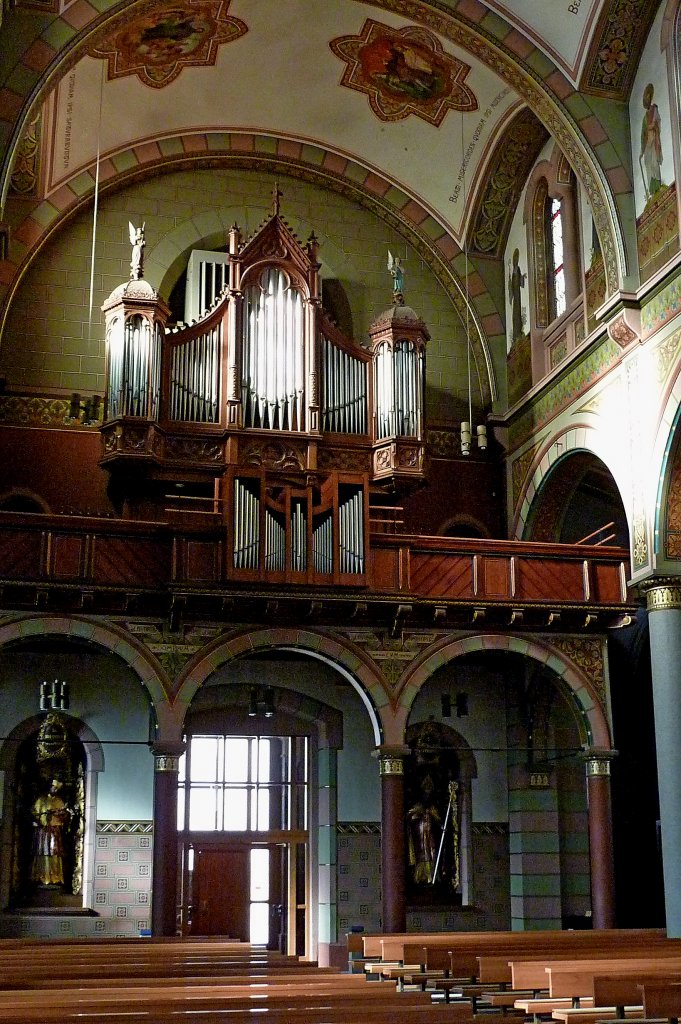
620	990
531	974
481	941
56	1005
661	999
28	979
573	979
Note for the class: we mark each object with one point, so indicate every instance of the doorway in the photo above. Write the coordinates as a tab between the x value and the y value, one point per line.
242	818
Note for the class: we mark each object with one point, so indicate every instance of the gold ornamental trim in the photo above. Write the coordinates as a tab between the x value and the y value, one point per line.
598	767
663	596
391	766
166	763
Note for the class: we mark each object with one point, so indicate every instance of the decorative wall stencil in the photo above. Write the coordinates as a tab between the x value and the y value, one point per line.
404	71
520	468
666	355
662	307
159	43
391	656
595	289
617	43
38	411
657	231
575	382
587	654
672	538
507	172
519	363
26	170
638	497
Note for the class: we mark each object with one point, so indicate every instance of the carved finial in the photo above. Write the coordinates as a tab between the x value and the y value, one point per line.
277	195
397	273
137	260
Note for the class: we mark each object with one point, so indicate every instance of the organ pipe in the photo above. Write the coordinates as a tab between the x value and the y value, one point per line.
399	389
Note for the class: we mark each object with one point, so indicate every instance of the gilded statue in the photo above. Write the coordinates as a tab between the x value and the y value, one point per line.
51	818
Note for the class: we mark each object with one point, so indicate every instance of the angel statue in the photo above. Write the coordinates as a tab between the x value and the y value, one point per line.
395	268
137	242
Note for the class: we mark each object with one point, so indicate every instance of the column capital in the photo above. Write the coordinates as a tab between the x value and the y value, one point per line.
167	756
598	762
391	759
663	593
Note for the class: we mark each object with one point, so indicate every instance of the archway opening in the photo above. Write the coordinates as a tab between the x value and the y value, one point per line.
579	503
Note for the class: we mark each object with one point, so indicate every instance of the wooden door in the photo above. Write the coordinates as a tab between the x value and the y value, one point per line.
221	892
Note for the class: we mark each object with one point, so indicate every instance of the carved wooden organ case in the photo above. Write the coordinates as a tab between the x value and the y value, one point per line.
264	411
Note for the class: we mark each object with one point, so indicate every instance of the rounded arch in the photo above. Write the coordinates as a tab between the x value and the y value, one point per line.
339	655
593	725
543	92
107	636
93	748
434	244
572	439
23	500
665	475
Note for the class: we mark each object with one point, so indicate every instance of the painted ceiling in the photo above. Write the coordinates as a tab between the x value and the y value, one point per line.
410	90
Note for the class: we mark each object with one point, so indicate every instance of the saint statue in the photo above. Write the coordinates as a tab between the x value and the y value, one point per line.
137	242
424	833
51	818
397	272
516	281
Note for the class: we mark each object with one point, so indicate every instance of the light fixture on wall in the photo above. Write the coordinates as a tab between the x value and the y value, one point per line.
466	425
54	696
256	701
460	701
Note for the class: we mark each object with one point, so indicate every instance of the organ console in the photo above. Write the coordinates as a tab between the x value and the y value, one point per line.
264	407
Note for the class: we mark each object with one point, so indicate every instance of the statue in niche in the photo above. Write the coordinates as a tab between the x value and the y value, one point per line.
433	815
49	817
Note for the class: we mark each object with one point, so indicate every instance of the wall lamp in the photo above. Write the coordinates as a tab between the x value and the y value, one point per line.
257	700
461	704
54	696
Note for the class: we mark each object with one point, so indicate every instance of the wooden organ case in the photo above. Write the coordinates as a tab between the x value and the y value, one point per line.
262	416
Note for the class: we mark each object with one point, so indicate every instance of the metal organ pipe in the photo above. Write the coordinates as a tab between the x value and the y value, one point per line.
345	390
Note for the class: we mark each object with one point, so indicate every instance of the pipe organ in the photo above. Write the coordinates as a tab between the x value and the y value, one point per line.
265	408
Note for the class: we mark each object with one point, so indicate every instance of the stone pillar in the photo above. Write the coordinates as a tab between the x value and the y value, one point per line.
664	606
600	837
165	864
393	861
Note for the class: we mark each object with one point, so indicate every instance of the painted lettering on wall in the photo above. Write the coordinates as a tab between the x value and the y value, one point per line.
71	89
475	138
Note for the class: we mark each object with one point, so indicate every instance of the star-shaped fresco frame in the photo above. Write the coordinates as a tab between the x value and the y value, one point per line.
404	71
162	39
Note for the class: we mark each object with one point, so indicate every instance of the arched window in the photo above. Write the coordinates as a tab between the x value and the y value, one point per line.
556	258
556	282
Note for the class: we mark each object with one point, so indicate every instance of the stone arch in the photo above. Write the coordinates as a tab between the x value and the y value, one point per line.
591	717
111	638
338	654
434	244
544	92
575	437
664	487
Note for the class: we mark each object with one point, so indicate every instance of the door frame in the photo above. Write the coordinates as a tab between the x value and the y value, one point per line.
293	885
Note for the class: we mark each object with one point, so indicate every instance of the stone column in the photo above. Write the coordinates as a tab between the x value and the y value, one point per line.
165	863
664	606
600	837
393	861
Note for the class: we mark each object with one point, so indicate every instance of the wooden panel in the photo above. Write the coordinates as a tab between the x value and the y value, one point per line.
549	579
201	561
67	555
384	568
132	562
20	554
496	577
606	583
442	575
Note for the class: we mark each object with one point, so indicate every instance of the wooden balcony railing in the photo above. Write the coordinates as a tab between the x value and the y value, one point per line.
74	562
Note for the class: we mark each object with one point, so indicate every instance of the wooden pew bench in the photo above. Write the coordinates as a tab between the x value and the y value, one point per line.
625	989
532	974
661	999
575	978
